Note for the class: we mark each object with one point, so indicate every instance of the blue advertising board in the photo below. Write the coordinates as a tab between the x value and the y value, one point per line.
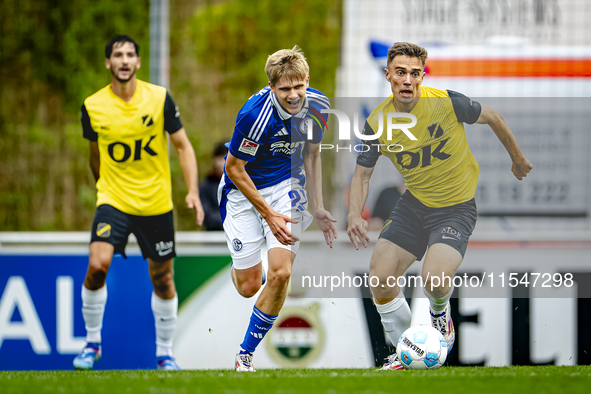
41	324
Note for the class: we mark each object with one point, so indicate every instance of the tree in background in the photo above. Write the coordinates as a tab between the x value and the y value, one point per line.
51	58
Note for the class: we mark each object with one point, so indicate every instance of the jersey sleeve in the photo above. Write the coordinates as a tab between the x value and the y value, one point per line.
246	139
467	110
370	151
172	120
87	130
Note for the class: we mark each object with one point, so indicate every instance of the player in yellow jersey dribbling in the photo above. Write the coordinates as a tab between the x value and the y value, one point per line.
126	123
437	213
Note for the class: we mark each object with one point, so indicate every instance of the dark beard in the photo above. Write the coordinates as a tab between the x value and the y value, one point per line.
122	80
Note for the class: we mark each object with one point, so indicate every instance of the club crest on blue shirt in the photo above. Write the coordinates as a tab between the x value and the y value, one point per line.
306	127
236	244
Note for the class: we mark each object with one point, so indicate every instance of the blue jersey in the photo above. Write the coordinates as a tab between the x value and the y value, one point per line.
272	141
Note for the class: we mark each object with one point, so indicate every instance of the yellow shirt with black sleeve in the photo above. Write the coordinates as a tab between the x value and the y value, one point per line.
438	168
134	174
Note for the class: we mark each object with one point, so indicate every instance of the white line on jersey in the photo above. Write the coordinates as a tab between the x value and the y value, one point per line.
265	121
254	129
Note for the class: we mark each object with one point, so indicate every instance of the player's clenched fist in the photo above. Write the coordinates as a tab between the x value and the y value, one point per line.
521	168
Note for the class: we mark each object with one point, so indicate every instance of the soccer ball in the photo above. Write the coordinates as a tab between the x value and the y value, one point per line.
421	347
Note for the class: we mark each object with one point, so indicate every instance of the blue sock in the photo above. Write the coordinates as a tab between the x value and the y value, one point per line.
93	345
260	324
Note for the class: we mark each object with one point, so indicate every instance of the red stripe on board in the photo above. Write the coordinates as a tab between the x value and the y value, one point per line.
509	67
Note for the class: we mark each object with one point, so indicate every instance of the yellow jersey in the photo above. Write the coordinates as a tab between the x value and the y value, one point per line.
134	174
438	167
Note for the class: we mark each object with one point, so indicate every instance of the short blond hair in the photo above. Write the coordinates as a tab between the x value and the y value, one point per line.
287	63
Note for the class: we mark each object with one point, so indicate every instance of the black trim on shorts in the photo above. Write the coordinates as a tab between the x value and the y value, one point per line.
414	226
155	234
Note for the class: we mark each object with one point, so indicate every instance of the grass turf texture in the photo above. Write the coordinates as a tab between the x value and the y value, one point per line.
539	379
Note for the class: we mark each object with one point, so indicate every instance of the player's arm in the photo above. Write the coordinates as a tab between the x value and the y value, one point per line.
94	160
521	166
188	164
358	191
313	166
359	188
235	169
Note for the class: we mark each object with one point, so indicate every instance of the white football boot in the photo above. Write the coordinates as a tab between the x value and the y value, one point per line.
392	362
442	322
244	363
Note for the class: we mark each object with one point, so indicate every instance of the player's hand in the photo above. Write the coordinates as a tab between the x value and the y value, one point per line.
193	201
278	225
326	223
357	229
521	167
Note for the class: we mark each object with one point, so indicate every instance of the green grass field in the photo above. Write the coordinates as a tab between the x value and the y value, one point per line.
473	380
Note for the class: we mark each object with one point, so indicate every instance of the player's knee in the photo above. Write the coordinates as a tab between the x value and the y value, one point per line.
280	275
97	270
162	280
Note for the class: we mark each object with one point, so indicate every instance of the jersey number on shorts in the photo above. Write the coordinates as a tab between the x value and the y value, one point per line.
298	199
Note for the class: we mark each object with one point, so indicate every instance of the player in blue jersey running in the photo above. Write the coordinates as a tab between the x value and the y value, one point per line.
276	143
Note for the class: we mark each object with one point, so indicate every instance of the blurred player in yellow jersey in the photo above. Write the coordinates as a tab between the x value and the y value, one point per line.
437	213
126	123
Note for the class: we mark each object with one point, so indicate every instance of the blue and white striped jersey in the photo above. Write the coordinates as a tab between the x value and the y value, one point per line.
272	141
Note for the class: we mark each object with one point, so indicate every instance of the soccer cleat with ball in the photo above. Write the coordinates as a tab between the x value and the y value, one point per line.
87	357
167	363
392	362
244	363
442	322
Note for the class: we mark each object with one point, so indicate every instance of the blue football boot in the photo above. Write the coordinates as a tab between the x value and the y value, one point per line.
88	356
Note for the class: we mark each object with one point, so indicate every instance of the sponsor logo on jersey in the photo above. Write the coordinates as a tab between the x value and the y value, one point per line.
285	147
164	248
236	244
121	152
450	233
248	147
103	230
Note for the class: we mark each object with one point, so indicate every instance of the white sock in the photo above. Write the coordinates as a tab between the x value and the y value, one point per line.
93	309
438	304
395	317
165	317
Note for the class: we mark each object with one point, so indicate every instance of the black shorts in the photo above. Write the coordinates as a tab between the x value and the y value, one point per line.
414	226
155	234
